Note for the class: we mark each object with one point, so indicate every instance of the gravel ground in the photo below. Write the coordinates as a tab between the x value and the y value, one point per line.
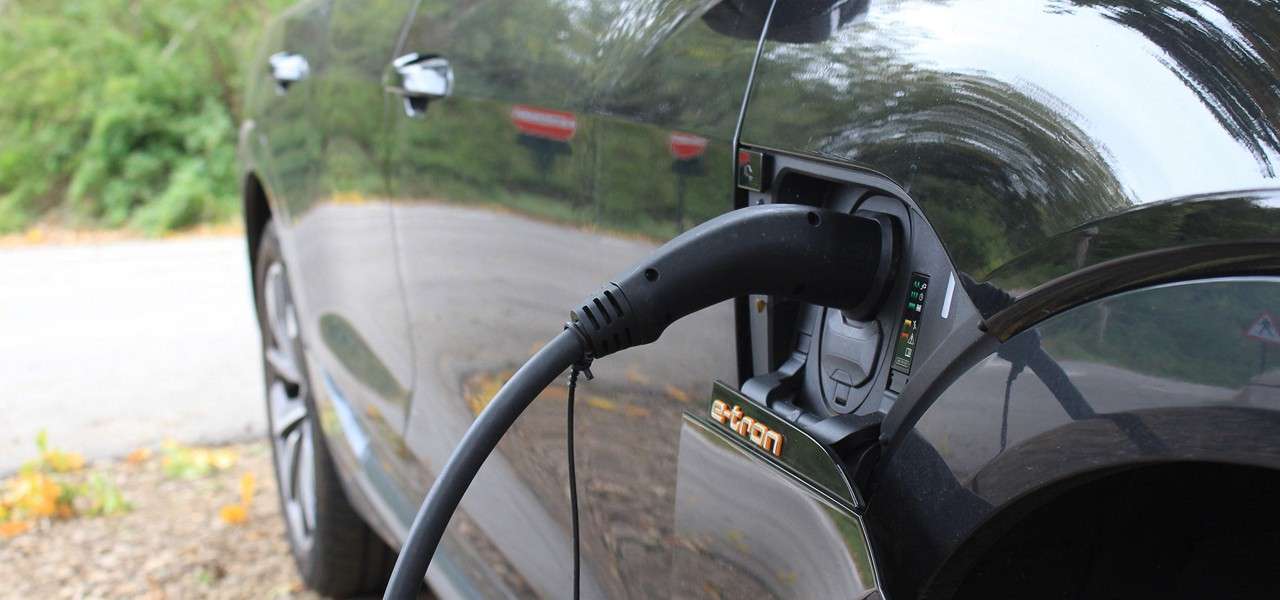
171	545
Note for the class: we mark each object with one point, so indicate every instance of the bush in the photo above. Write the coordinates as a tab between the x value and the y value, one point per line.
122	112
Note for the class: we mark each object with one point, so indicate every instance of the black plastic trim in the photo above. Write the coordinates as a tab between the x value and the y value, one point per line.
1249	257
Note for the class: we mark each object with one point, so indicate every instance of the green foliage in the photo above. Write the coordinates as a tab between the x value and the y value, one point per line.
1148	332
101	497
122	112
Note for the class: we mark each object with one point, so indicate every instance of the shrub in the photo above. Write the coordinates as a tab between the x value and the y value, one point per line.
122	112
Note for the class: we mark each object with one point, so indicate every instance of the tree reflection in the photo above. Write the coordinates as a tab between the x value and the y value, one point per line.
1225	51
997	167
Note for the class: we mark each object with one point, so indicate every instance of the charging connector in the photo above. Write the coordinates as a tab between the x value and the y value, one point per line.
812	255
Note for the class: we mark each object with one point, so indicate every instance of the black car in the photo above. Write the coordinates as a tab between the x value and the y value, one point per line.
1069	388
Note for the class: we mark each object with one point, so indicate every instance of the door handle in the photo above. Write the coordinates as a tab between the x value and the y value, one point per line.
418	79
288	68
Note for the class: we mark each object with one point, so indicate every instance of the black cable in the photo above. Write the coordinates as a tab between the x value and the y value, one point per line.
582	366
813	255
433	517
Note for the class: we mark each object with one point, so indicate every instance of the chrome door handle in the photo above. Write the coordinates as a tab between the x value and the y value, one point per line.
288	68
420	78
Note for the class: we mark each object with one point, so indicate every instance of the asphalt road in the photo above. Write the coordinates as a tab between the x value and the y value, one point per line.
114	346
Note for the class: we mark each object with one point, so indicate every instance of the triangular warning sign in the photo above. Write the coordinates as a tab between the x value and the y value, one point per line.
1264	329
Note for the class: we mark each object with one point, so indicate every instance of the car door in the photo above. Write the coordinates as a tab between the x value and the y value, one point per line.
576	138
281	103
343	244
677	74
492	181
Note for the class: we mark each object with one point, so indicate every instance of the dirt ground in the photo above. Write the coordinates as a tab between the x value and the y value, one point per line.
59	235
171	544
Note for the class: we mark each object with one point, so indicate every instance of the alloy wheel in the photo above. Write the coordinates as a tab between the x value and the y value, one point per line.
291	426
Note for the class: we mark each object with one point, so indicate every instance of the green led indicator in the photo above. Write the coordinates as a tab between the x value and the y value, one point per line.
909	329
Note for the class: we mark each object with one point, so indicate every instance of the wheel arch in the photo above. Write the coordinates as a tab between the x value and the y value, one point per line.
1002	498
256	213
1079	406
1084	500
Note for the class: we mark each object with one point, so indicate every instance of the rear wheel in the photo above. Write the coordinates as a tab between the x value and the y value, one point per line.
336	551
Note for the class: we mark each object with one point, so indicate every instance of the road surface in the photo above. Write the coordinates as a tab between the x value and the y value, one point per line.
110	347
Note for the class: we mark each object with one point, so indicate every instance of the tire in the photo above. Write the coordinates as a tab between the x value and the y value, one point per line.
337	553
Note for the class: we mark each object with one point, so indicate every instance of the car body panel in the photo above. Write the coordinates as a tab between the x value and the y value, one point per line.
276	144
345	238
316	146
434	252
342	243
1013	122
1161	374
576	139
1064	152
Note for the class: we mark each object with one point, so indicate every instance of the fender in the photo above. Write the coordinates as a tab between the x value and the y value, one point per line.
1167	373
1015	132
1092	211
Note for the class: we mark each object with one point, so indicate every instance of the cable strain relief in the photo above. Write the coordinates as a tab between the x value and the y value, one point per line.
605	322
583	340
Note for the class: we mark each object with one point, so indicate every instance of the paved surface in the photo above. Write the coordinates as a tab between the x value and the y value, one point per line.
113	346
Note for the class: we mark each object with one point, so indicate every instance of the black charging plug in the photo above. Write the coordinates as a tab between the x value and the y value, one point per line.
808	254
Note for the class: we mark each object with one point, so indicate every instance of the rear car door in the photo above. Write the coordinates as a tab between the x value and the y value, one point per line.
675	75
575	138
492	179
342	243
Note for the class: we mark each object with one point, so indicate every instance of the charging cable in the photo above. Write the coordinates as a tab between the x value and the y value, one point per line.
812	255
584	367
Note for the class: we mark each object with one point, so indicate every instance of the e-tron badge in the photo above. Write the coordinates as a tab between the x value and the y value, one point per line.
747	427
741	422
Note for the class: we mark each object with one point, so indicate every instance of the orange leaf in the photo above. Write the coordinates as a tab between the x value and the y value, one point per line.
14	528
138	456
35	494
246	489
233	514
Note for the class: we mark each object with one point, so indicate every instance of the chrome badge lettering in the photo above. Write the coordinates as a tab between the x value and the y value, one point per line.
758	433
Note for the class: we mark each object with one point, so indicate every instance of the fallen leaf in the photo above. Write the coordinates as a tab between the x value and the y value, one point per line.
233	514
138	456
191	463
63	462
34	494
246	489
14	529
222	459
